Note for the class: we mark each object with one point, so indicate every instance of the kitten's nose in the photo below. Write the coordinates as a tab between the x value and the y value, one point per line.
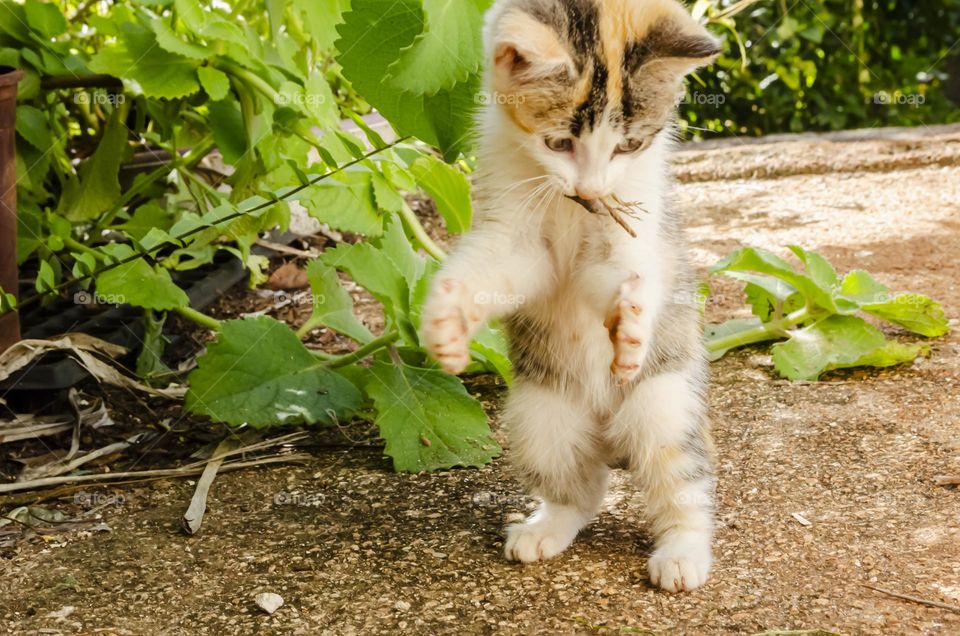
586	193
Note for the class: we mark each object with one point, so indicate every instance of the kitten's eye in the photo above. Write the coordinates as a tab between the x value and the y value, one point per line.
629	145
559	144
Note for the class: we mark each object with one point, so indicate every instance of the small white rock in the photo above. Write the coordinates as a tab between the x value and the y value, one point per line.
403	606
268	601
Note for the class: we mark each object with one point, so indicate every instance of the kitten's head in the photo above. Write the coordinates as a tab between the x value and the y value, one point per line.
590	83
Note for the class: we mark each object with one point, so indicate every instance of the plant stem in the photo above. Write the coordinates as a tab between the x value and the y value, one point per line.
416	228
765	331
200	318
77	246
376	344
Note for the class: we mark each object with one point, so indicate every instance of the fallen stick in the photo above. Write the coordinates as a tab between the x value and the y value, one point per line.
183	471
947	480
193	517
914	599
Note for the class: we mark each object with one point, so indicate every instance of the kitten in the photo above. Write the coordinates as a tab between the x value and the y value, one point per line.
604	328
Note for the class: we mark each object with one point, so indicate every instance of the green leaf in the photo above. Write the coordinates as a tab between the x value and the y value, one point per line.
226	124
749	259
145	218
46	279
170	40
734	327
215	82
371	37
491	343
832	343
450	48
192	15
817	268
428	420
370	268
140	284
157	72
345	202
915	312
32	125
150	360
45	18
859	286
97	186
332	305
449	189
258	372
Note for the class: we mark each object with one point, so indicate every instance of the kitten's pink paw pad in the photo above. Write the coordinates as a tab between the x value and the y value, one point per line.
626	331
449	318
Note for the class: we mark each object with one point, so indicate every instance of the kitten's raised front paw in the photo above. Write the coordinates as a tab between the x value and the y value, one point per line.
538	539
449	319
626	327
681	563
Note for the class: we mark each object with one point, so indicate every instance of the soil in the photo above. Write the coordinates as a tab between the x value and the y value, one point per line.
823	487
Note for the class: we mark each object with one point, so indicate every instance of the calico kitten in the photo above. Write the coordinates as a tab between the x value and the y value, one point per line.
604	329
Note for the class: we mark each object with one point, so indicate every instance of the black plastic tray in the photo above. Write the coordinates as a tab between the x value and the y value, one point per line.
119	324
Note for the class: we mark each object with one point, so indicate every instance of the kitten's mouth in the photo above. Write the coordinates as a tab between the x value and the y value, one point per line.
615	207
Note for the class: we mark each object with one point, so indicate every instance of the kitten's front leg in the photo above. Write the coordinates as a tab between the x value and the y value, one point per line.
629	323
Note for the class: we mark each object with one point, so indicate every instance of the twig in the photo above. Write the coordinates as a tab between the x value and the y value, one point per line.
193	517
914	599
947	480
183	471
195	467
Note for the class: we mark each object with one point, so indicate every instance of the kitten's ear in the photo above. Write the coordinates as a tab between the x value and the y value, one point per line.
681	45
525	49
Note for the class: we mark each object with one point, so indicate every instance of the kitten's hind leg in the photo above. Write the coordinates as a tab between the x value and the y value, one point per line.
552	448
664	425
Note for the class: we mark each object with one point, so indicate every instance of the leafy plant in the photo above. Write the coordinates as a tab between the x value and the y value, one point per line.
815	312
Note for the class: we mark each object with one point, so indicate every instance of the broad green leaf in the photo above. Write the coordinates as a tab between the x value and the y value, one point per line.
215	82
749	259
332	305
817	268
892	353
387	198
226	124
371	37
428	420
396	246
732	333
170	40
346	203
915	312
862	288
449	189
192	15
45	18
32	125
322	19
491	343
370	268
145	218
257	372
832	343
140	284
320	102
136	56
450	47
8	302
97	187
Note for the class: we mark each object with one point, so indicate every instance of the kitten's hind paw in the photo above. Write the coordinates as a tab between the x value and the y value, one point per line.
449	319
681	564
543	536
625	324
